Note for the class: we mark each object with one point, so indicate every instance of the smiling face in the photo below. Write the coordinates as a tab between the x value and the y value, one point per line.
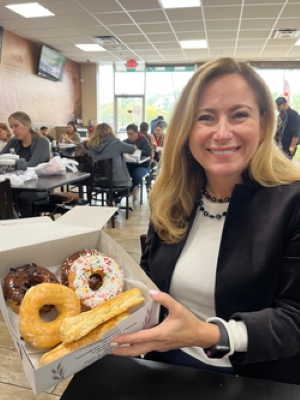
228	130
158	131
19	130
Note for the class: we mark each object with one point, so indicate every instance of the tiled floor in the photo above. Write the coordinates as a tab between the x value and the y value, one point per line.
13	383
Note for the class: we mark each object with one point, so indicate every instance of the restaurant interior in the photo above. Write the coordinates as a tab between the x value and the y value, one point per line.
105	47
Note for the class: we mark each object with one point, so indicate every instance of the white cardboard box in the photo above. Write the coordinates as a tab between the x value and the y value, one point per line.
48	243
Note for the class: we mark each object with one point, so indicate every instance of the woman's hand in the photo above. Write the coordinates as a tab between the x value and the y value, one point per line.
180	329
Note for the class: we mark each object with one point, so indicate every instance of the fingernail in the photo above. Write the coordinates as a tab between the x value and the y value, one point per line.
113	344
153	292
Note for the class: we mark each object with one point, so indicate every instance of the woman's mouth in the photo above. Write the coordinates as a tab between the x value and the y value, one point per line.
225	152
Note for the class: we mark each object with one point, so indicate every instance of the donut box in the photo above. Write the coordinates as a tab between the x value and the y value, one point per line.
48	243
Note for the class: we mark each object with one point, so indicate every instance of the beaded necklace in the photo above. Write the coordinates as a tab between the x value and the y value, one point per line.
207	195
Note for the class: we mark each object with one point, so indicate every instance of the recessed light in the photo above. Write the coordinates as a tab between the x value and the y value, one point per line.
90	47
297	43
180	3
30	10
193	44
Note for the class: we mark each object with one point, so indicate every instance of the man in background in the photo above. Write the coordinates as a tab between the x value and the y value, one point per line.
153	123
288	128
44	131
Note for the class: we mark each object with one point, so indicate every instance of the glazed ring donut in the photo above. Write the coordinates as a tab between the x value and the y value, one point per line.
20	279
95	278
37	332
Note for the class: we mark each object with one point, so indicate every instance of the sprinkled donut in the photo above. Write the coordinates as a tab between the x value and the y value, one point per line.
95	278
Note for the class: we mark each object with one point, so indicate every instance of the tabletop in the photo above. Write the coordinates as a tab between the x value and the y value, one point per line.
49	182
141	161
121	378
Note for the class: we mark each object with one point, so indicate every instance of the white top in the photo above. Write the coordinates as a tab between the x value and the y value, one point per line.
193	281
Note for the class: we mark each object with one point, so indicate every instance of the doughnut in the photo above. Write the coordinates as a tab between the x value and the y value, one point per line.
95	278
67	264
96	334
22	278
76	327
34	330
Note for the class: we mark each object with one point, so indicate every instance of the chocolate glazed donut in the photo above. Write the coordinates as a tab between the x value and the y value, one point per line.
22	278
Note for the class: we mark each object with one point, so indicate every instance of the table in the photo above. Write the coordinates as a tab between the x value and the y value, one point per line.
141	161
47	183
121	378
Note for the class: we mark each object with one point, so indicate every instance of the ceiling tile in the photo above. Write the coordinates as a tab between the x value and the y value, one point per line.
96	6
222	25
162	37
114	18
264	11
133	39
289	23
221	2
167	45
63	7
230	12
189	26
153	28
191	35
225	35
139	5
141	46
220	44
255	34
259	23
149	16
124	29
184	14
65	21
94	30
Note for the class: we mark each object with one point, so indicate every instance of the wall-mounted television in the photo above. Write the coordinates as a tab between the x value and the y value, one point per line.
51	64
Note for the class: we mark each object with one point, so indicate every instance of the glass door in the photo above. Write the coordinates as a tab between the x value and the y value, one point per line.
128	110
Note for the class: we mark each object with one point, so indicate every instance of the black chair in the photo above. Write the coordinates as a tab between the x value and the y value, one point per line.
6	200
102	183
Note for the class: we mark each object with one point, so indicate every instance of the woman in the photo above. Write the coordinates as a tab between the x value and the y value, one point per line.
70	137
144	126
26	142
5	135
103	144
159	139
31	146
224	235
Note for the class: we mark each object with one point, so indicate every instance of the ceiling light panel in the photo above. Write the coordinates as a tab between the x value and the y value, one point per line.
90	47
180	3
30	10
193	44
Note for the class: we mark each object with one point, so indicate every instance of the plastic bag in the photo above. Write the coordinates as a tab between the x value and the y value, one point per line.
54	167
70	165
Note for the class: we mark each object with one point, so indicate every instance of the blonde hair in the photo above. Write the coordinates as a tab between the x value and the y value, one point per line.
6	128
102	130
26	121
181	176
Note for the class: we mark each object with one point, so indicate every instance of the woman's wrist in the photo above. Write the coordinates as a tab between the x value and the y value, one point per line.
208	335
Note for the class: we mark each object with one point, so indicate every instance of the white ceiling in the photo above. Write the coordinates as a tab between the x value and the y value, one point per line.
149	33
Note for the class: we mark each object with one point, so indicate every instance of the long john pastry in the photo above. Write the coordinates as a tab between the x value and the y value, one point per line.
76	327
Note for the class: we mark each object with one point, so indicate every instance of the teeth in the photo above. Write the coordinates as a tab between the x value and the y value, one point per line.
221	153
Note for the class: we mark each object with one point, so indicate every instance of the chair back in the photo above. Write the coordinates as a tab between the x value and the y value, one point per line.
6	200
102	173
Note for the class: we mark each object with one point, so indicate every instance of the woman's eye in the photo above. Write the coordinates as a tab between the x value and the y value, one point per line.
204	118
241	115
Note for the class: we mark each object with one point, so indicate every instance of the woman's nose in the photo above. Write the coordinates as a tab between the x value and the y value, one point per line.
223	129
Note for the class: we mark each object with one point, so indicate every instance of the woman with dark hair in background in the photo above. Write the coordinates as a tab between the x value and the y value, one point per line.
70	137
34	148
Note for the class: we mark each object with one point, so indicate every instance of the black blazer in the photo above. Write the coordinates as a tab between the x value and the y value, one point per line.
258	276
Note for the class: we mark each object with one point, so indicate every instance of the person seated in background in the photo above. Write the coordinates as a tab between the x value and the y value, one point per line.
153	123
159	137
44	131
34	148
103	144
144	126
70	137
5	135
138	171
